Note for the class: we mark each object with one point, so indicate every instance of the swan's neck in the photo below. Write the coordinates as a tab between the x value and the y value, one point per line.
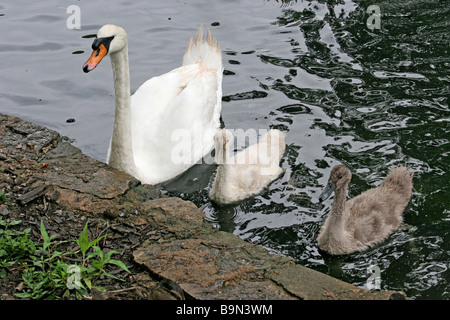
221	159
121	156
337	213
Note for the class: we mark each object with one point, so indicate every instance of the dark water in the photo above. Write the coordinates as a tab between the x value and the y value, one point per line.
343	93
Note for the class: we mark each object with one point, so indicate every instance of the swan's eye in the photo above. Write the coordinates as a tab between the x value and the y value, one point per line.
95	44
106	41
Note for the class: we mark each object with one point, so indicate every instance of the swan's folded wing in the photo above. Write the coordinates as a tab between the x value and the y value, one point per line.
175	110
154	95
197	109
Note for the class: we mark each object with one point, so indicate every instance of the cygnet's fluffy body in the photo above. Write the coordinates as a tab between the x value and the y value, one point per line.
250	170
367	219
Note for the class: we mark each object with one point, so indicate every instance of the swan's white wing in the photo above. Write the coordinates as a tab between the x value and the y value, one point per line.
154	95
199	110
177	111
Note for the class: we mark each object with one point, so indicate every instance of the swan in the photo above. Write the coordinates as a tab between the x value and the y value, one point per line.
367	219
169	123
250	170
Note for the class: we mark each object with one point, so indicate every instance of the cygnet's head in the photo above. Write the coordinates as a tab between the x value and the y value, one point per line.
340	176
110	39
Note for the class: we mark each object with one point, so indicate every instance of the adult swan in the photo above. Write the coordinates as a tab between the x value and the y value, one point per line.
169	123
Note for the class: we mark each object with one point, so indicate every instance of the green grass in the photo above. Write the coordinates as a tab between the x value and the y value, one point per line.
47	272
2	196
14	245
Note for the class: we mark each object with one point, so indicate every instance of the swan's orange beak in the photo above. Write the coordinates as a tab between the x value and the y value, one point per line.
95	58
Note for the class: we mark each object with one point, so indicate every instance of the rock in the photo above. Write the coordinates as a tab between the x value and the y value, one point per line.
218	265
33	194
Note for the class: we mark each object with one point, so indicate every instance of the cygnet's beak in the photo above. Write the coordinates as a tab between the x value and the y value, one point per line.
326	193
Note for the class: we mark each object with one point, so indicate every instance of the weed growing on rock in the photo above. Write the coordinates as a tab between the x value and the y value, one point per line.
49	273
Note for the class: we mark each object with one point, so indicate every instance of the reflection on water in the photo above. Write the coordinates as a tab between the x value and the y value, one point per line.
371	99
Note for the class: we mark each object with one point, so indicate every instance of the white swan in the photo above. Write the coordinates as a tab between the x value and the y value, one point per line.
169	123
367	219
249	171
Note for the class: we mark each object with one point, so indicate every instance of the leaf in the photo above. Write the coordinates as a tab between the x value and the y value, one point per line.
91	255
119	264
83	241
47	239
93	242
88	283
66	294
99	253
56	254
45	236
2	196
111	276
23	295
77	284
13	223
109	254
97	264
99	288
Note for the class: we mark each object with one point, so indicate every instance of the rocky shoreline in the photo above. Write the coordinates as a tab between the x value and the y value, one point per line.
171	251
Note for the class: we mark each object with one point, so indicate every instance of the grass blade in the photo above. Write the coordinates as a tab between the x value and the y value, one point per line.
45	236
119	264
83	241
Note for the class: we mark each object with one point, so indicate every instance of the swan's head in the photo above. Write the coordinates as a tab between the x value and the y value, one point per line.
340	176
110	39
